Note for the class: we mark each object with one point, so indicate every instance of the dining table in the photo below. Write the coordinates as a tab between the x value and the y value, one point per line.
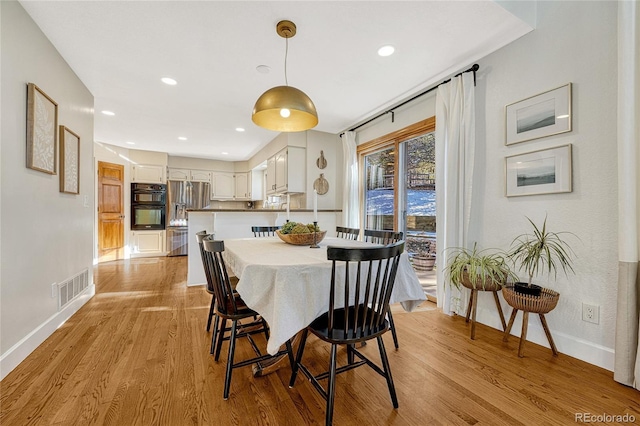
288	285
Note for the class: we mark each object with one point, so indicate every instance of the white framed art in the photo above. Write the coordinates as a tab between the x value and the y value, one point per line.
546	114
546	171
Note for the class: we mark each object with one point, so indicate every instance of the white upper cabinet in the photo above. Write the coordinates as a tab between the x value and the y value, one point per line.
147	173
222	186
243	186
271	175
200	176
179	174
286	171
190	175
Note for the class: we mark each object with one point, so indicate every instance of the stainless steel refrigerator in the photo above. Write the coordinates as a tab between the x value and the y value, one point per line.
182	196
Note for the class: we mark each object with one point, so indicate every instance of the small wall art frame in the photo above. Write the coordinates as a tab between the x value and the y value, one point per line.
69	161
546	171
42	130
546	114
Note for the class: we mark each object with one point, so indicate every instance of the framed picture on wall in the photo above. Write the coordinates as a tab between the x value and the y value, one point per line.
69	161
546	114
546	171
42	126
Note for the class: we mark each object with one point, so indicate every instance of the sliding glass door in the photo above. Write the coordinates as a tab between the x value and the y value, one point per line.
379	190
399	193
418	213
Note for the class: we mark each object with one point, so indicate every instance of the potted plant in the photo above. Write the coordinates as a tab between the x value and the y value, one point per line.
479	269
539	251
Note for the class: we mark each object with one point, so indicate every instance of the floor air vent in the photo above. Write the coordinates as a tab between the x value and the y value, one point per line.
69	289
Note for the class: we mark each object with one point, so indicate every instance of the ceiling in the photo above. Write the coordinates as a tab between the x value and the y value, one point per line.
121	49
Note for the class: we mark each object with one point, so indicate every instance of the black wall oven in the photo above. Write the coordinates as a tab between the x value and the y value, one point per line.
148	206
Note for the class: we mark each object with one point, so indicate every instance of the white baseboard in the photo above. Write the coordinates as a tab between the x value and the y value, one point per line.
581	349
152	254
21	350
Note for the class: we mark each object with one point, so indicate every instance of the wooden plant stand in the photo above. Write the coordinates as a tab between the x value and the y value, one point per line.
540	305
473	305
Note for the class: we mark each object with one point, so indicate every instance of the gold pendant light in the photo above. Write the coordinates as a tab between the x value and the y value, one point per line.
285	108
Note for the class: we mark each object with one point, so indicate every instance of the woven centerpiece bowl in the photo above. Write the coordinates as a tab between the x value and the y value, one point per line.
542	304
301	239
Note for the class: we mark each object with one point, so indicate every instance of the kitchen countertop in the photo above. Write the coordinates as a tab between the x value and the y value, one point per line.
261	210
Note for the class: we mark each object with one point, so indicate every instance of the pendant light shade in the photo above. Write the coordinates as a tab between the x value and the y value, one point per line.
285	108
271	109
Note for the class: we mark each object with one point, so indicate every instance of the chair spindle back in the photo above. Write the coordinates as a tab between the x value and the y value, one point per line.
220	278
347	233
367	297
382	237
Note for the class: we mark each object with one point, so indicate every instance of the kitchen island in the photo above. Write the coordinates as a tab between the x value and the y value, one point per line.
237	223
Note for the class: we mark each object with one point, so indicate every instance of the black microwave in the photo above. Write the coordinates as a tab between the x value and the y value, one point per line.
148	193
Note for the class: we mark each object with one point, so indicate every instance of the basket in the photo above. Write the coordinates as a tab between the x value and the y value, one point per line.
542	304
301	239
489	285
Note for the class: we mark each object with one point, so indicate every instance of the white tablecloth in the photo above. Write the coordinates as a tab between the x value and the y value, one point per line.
289	285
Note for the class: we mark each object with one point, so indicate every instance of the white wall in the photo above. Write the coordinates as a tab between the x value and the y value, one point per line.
574	42
331	146
47	236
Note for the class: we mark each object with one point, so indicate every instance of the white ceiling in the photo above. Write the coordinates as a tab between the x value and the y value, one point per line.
121	49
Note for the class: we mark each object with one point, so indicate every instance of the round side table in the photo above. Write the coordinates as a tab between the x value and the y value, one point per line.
540	305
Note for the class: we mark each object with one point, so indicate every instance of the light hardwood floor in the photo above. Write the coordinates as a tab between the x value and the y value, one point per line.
137	354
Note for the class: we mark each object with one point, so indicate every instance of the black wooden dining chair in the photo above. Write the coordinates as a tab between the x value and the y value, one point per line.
264	231
377	236
385	238
230	306
362	279
200	236
347	233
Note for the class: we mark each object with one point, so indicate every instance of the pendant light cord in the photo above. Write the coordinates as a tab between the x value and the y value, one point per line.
286	52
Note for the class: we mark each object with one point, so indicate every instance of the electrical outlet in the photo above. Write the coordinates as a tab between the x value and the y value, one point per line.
591	313
54	290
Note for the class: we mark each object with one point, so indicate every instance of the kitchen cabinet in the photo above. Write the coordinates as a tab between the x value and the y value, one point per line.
179	174
271	175
147	173
286	171
243	186
190	175
257	182
200	176
147	243
222	186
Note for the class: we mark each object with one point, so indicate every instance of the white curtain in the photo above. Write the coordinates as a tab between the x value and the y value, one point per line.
350	208
455	141
627	355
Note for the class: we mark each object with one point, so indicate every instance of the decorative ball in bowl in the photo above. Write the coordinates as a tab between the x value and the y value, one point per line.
301	239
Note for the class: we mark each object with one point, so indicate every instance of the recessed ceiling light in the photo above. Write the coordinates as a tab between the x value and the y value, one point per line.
131	143
263	69
182	138
386	50
169	81
239	129
224	153
108	113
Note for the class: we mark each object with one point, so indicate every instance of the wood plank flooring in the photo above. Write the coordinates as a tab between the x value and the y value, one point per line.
137	354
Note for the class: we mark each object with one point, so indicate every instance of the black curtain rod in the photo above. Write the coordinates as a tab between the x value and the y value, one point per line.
473	68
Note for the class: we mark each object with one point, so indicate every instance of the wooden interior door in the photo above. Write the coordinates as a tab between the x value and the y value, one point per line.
110	211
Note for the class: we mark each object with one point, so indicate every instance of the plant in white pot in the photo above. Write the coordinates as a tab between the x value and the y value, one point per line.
539	251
